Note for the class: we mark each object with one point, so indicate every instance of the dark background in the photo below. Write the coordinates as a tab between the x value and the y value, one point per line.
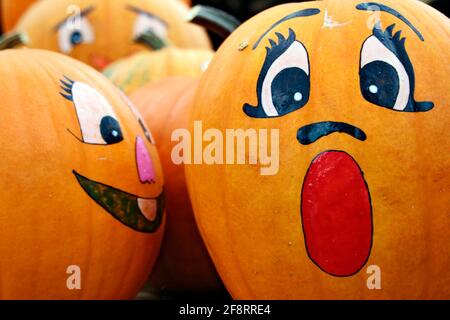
245	9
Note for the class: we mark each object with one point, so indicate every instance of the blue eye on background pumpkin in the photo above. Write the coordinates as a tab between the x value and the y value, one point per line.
76	37
387	74
71	34
284	81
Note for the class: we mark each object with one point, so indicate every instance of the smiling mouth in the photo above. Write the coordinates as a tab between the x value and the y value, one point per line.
140	214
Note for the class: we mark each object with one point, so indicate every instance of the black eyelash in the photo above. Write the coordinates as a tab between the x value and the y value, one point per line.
66	86
394	42
277	49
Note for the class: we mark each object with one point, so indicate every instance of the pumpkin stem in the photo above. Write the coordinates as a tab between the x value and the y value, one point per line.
215	20
12	40
152	40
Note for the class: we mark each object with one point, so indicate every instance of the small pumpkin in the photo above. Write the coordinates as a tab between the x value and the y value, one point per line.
82	190
184	264
146	67
357	206
11	12
99	32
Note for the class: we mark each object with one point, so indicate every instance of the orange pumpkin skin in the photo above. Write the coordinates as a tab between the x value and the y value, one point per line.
48	221
12	10
113	28
143	68
184	264
252	224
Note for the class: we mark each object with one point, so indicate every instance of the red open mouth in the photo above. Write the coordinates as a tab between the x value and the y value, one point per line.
337	214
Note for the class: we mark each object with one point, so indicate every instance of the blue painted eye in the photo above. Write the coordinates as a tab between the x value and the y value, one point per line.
110	130
284	81
76	38
69	35
290	90
386	73
380	84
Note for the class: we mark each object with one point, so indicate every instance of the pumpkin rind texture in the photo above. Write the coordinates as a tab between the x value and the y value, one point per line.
184	264
12	10
144	68
358	206
99	32
82	186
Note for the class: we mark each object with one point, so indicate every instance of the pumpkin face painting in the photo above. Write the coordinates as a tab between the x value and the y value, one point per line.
99	32
359	207
81	183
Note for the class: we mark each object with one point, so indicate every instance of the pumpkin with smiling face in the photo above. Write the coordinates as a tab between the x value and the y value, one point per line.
82	185
98	31
359	206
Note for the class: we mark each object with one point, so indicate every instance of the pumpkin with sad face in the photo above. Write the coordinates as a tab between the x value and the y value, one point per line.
101	31
359	207
81	183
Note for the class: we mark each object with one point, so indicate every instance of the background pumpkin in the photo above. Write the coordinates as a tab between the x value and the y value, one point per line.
12	10
184	264
48	221
143	68
252	224
108	29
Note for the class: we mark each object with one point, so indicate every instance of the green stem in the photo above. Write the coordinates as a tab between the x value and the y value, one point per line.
152	40
213	19
12	40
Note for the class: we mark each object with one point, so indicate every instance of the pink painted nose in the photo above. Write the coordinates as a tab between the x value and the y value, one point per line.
145	166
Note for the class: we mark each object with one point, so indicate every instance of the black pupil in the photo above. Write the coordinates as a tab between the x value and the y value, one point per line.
380	84
290	90
110	130
76	37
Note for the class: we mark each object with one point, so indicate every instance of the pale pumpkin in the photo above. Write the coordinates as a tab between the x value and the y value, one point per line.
82	190
11	11
358	207
99	32
184	264
146	67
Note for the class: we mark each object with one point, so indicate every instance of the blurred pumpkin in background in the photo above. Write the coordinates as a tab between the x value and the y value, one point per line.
11	11
99	32
145	67
82	189
184	264
358	207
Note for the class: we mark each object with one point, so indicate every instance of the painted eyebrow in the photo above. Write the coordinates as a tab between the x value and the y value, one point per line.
375	6
83	13
142	11
297	14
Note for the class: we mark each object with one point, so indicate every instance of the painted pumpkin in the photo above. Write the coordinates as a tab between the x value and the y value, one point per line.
82	185
12	10
146	67
98	32
184	263
358	206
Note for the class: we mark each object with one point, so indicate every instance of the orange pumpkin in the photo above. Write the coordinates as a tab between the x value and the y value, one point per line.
99	32
145	67
12	10
187	2
81	200
358	206
184	263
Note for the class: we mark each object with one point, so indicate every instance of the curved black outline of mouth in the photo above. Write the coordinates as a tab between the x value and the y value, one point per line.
313	132
123	206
